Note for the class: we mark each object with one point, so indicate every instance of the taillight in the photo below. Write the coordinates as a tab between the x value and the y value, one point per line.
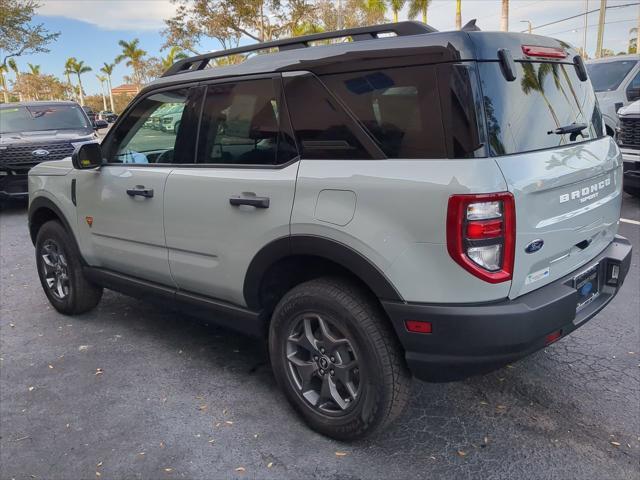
546	52
481	234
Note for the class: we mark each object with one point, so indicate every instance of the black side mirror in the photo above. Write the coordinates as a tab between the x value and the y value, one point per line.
86	156
100	124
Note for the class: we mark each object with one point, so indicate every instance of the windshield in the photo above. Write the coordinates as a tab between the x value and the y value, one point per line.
607	76
45	117
540	109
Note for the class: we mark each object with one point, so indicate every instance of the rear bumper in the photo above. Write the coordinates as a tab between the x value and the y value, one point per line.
472	339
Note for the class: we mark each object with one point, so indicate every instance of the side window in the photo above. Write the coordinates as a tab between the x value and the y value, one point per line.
399	108
323	129
241	125
633	90
149	132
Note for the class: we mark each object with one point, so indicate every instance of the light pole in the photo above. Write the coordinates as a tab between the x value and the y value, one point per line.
529	22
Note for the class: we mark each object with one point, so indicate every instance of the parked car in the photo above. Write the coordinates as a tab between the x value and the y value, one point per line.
427	204
107	116
90	113
616	81
171	120
34	132
629	141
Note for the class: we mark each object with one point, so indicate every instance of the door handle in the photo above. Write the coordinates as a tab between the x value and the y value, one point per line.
140	191
251	200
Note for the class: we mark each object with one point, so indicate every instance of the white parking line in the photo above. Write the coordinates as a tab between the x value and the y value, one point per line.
632	222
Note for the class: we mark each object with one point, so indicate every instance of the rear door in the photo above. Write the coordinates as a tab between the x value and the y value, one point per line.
238	195
567	186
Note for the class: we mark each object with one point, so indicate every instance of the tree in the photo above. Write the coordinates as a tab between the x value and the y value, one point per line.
107	69
102	79
396	6
418	7
3	82
78	67
40	86
228	20
68	70
374	11
12	64
34	69
174	54
633	41
504	18
458	14
134	56
17	35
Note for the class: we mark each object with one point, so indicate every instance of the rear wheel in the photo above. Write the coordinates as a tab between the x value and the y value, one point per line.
337	359
60	271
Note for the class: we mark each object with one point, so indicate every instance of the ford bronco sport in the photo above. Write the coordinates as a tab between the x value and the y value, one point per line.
407	203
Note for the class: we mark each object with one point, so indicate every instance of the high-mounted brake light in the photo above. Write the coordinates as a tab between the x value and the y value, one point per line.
547	52
481	234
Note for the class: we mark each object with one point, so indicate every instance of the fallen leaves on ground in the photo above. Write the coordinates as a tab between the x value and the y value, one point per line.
462	453
341	454
241	469
168	470
615	444
99	371
270	464
31	389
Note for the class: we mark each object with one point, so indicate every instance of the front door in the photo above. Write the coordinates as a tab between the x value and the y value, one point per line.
121	205
222	211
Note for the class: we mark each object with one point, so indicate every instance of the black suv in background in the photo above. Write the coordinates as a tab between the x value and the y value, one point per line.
34	132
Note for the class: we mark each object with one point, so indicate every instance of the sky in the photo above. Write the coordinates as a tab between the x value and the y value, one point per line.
90	29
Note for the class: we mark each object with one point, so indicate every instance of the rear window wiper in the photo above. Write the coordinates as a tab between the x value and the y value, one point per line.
574	129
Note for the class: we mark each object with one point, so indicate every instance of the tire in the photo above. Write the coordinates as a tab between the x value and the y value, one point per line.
60	271
362	358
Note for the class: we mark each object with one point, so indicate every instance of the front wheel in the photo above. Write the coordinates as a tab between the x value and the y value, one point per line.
337	359
60	271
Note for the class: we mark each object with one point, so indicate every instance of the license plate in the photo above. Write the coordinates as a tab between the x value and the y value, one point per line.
587	286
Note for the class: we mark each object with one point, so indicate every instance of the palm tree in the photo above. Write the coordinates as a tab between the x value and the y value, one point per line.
107	69
417	7
34	69
134	57
534	82
504	19
79	68
68	70
102	79
396	6
458	14
3	82
175	53
306	28
14	67
374	11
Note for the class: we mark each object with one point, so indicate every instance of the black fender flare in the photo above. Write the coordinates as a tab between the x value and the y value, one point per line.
317	246
45	203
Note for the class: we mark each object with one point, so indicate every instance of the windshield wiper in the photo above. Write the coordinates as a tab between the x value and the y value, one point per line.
574	129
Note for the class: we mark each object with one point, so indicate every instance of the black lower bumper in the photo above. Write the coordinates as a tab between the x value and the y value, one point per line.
14	186
471	339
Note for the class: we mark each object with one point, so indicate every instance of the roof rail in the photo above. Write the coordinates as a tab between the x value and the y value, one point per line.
401	29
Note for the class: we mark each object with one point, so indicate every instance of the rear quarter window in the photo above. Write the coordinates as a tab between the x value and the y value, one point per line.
415	112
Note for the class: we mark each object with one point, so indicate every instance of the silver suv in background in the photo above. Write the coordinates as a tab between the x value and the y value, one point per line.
629	140
427	204
616	81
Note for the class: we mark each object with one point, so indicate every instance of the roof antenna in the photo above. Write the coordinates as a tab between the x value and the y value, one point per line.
471	26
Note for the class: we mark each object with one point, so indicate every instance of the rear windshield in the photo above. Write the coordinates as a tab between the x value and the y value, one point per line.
607	76
523	115
46	117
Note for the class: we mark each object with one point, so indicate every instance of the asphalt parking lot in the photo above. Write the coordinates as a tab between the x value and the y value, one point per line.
134	391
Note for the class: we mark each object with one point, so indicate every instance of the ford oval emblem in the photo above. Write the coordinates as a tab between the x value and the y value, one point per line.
41	152
534	246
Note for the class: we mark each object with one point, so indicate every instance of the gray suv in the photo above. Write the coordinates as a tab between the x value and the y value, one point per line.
410	203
